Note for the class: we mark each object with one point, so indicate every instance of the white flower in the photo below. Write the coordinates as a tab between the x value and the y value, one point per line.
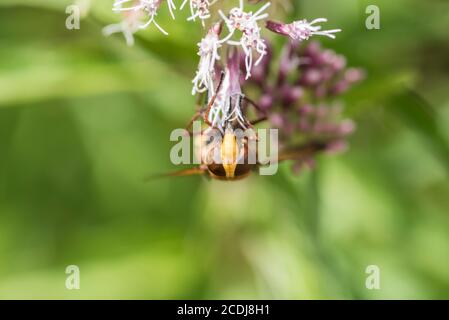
149	7
301	30
247	23
199	9
208	52
130	25
84	6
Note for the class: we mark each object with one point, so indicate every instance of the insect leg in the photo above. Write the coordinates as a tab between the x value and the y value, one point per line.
258	108
254	104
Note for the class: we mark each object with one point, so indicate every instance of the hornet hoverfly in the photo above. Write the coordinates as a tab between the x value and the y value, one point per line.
227	154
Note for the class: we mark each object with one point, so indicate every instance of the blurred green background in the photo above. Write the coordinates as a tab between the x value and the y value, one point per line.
84	118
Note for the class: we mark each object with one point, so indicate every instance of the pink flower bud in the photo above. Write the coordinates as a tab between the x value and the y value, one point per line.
277	120
311	77
346	127
266	102
290	95
353	75
337	146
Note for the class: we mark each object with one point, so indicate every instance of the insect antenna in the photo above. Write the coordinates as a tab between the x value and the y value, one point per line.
180	173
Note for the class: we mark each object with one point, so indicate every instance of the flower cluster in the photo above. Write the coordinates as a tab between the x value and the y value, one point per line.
198	9
301	30
250	40
208	52
246	23
300	100
134	11
295	98
146	8
128	26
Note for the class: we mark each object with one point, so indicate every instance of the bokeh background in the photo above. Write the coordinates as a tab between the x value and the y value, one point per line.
84	118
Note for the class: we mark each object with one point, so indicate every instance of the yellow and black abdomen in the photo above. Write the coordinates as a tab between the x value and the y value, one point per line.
218	171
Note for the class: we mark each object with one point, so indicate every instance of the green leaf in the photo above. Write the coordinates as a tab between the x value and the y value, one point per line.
416	112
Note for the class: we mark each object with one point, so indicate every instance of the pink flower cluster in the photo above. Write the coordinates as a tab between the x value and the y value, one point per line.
295	95
300	99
